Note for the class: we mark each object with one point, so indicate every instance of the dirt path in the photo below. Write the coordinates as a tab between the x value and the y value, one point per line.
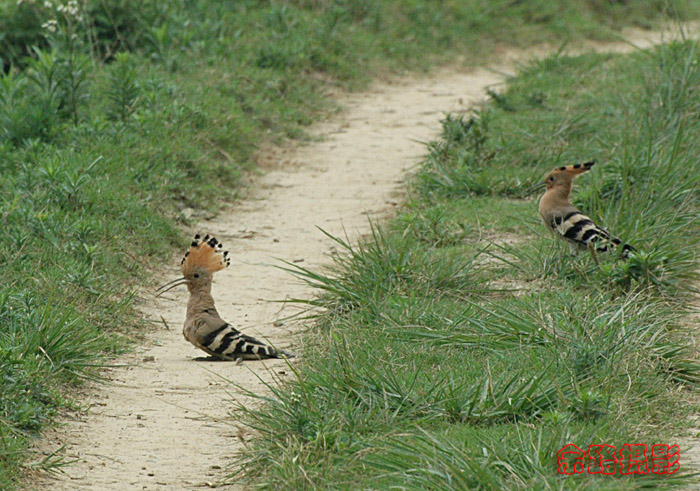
163	420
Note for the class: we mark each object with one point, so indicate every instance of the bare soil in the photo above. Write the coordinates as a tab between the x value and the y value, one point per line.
164	420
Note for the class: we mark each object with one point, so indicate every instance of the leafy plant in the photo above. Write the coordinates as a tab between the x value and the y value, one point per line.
124	87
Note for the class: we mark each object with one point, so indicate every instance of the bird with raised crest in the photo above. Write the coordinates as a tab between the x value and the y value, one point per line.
567	222
204	327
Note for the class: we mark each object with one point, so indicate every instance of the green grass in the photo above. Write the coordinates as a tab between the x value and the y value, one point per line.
449	358
130	117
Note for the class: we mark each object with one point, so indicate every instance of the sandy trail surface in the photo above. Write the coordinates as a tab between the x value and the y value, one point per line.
163	420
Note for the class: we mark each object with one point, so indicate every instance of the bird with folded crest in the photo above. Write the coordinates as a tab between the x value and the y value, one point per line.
567	222
204	327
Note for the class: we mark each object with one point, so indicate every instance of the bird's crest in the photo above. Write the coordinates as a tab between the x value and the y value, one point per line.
574	170
205	253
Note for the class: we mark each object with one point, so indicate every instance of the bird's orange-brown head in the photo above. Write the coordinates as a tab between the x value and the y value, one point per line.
204	258
564	175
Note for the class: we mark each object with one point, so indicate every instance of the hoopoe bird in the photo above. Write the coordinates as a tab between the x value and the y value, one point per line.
204	327
567	222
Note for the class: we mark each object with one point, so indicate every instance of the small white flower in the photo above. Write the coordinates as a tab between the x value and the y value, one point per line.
71	8
48	4
50	25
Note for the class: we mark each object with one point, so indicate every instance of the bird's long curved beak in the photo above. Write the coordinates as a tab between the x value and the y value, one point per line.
170	285
534	187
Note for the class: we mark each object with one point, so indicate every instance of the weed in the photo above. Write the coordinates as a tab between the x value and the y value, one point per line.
124	87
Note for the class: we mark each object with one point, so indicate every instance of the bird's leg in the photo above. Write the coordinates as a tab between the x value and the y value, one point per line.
591	249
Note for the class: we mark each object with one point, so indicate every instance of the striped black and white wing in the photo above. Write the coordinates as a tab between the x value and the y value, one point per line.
227	342
578	229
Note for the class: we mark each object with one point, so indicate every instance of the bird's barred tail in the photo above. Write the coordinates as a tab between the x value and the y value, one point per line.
581	230
228	342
